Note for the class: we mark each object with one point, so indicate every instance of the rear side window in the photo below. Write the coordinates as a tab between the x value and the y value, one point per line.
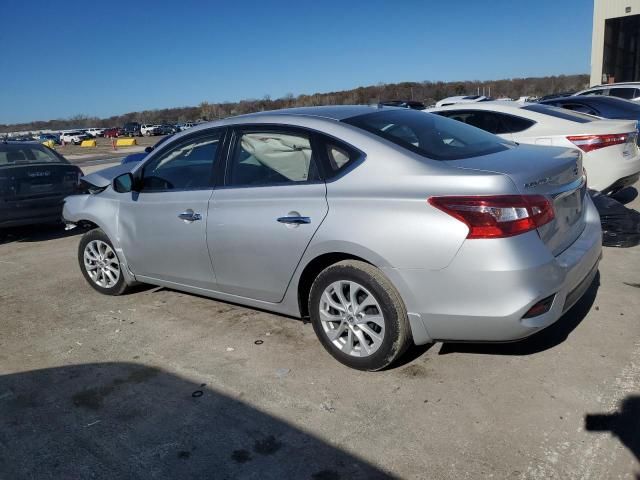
492	122
429	135
513	124
268	158
626	93
339	157
26	154
560	113
577	107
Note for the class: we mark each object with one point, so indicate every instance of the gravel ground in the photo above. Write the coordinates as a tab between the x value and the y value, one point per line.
162	384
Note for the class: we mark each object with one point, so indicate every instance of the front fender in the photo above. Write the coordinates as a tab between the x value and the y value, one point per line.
103	212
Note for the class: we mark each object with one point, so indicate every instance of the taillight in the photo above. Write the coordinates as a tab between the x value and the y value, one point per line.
588	143
497	216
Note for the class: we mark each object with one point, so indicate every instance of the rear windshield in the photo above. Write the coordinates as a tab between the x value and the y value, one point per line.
429	135
560	113
26	154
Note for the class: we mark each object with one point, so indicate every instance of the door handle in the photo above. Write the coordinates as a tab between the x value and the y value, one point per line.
189	216
294	220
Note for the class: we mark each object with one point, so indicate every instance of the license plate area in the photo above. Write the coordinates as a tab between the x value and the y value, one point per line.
570	205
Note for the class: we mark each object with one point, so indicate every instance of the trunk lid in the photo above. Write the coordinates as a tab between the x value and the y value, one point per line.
553	172
38	180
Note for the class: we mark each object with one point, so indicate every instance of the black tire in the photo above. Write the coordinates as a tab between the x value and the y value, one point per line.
121	285
397	337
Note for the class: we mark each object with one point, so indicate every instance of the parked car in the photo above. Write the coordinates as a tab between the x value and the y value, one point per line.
34	180
605	107
21	138
185	126
609	147
149	129
75	137
167	129
626	91
131	129
95	132
139	156
383	225
404	104
114	132
462	99
45	137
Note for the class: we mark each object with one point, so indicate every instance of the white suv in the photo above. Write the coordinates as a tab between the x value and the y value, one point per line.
95	132
148	129
75	137
627	91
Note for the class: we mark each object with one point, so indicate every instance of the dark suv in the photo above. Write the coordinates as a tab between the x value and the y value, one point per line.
131	129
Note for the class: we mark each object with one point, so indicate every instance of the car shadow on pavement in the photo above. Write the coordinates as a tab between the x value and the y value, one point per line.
127	420
36	233
623	424
539	342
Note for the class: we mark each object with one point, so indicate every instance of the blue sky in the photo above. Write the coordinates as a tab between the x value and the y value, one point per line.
109	57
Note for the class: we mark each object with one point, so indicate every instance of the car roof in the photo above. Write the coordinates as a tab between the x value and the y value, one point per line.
619	84
587	99
498	105
331	112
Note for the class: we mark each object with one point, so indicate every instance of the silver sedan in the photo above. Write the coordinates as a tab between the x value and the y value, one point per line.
385	226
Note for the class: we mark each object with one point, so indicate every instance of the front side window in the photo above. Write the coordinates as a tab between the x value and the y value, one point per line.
626	93
429	135
186	166
263	158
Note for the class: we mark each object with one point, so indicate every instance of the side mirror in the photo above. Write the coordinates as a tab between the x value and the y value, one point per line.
123	183
148	149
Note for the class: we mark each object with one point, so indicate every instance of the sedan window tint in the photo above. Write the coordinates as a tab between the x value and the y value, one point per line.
626	93
272	158
432	136
492	122
560	113
187	166
514	124
576	107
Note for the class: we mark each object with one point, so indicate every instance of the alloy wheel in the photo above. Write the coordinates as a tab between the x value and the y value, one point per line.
101	264
351	318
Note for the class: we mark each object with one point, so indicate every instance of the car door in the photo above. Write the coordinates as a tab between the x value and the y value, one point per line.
262	220
163	224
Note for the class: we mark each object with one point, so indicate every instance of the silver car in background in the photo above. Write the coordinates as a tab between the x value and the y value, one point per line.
383	225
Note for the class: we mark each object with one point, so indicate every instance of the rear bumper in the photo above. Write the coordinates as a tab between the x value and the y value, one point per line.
29	212
605	171
484	293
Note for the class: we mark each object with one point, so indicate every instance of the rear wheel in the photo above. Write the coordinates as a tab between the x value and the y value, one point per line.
100	264
359	316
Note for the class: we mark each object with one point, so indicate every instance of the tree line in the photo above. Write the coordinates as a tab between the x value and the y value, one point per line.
427	92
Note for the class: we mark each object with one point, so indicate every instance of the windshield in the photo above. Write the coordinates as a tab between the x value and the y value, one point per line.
26	154
429	135
560	113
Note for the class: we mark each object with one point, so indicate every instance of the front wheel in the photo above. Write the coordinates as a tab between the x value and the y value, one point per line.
100	264
359	316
